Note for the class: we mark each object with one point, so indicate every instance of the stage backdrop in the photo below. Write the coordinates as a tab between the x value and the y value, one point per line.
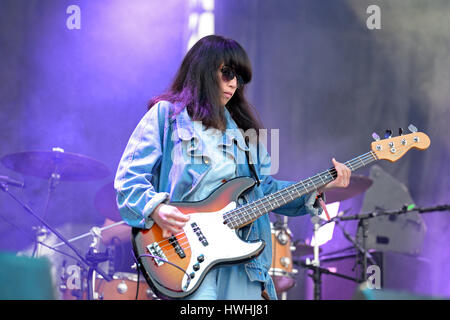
322	76
327	80
78	78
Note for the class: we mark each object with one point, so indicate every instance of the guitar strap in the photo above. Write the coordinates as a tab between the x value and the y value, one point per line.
250	163
255	177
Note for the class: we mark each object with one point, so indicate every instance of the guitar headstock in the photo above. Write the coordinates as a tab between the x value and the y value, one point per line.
392	149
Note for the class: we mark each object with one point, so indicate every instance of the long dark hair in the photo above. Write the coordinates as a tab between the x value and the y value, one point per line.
196	85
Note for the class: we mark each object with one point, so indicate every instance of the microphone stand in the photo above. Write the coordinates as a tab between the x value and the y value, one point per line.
316	261
364	223
315	264
90	259
405	209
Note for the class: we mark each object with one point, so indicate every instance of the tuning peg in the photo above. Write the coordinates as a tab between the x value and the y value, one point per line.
400	131
388	134
375	136
412	128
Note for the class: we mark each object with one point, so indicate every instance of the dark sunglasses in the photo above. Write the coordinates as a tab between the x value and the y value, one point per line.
229	73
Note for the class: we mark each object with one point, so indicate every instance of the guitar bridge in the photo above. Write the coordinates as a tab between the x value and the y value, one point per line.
155	251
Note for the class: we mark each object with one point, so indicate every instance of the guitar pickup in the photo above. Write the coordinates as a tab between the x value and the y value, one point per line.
178	249
199	234
155	251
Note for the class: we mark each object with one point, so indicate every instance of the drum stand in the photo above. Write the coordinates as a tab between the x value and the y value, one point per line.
91	260
95	257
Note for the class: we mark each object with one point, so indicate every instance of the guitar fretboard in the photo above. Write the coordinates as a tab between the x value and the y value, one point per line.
245	214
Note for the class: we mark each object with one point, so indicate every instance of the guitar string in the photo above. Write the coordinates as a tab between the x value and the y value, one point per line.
162	248
234	216
276	195
174	253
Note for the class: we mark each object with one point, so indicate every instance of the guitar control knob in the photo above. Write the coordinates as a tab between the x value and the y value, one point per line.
196	266
201	258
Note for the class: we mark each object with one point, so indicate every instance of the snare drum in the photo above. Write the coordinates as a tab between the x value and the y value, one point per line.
282	268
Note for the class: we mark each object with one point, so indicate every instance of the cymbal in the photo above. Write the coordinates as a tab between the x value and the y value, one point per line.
69	166
105	202
358	184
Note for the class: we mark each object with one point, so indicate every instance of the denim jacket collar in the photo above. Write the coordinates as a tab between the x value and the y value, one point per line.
186	129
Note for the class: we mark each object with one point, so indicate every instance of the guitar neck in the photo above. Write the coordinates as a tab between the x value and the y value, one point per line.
245	214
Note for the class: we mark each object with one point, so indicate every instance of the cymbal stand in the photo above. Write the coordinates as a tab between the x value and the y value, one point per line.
40	231
87	261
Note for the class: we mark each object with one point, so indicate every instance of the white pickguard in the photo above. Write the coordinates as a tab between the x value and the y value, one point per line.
223	243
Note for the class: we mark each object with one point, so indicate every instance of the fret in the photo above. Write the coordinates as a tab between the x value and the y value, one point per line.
274	200
297	193
361	161
241	217
251	211
323	183
253	215
303	185
289	193
260	211
270	203
373	155
284	201
350	165
312	183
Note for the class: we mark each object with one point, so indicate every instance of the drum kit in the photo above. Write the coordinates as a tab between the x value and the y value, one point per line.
86	280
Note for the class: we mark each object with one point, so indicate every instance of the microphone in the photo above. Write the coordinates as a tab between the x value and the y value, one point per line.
11	182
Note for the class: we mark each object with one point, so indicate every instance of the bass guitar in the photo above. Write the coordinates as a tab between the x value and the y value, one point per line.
175	267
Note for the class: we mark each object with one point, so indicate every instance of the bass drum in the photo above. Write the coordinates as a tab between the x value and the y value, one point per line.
282	270
123	286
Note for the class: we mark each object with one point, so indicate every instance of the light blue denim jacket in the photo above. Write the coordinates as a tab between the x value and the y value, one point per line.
164	161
